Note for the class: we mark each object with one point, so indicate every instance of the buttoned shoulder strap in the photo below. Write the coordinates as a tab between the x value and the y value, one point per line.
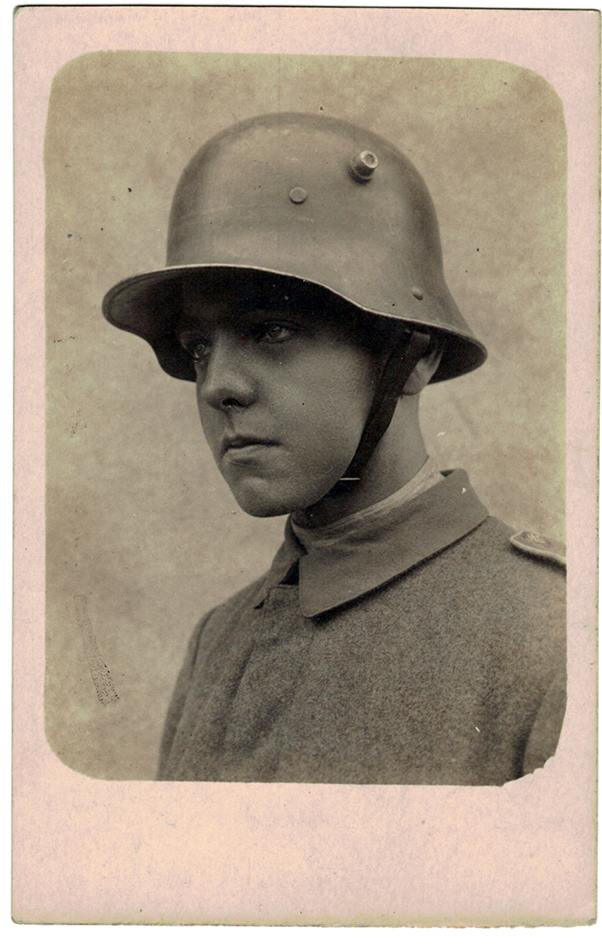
534	544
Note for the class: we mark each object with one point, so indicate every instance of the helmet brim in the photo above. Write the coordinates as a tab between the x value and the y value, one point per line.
150	305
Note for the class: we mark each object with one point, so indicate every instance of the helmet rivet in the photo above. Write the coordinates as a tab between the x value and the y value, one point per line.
298	195
417	293
363	165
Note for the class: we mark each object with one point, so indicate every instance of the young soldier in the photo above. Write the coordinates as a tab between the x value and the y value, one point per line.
402	635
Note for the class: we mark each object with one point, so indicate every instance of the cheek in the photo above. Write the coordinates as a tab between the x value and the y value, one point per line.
336	401
348	384
211	424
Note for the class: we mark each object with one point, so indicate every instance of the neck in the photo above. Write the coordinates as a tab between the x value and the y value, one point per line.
397	458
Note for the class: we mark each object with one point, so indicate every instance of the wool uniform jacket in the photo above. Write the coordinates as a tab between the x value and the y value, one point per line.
425	649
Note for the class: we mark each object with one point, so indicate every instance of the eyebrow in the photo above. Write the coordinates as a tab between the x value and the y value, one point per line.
244	308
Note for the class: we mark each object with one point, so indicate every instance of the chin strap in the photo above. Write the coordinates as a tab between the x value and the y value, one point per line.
395	374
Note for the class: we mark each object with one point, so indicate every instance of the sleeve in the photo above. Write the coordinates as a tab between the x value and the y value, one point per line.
544	735
548	618
178	699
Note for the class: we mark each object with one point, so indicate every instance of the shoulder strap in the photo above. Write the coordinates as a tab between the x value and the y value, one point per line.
534	544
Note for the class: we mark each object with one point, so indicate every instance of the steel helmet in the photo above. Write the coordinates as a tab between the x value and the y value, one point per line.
308	198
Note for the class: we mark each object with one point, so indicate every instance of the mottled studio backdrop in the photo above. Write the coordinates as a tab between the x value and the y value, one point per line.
143	536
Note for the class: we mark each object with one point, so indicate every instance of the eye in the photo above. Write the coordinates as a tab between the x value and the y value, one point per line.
273	332
197	347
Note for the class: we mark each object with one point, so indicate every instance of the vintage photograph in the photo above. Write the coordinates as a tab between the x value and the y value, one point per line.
306	388
351	570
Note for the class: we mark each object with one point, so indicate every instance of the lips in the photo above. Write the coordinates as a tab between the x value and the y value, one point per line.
240	446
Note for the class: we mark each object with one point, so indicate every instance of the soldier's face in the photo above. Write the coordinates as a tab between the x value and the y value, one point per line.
282	398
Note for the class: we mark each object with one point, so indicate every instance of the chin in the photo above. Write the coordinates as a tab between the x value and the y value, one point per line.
262	508
268	504
259	502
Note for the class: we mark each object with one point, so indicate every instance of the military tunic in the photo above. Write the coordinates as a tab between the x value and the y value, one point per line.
422	647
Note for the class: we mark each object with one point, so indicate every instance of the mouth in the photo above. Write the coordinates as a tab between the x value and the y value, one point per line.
243	448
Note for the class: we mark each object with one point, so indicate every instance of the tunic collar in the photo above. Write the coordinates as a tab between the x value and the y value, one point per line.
311	538
342	563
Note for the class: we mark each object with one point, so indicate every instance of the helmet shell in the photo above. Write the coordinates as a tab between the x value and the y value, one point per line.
307	198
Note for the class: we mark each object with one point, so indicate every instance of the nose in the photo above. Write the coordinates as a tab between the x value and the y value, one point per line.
224	379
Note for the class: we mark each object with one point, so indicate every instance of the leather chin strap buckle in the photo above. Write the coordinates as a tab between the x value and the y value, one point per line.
402	360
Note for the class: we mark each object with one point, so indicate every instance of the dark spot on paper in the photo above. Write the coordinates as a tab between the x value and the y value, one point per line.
77	423
101	676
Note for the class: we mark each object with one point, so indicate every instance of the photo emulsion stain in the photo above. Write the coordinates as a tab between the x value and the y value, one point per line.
368	517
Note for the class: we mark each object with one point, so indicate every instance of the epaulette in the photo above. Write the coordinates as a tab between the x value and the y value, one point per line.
540	546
